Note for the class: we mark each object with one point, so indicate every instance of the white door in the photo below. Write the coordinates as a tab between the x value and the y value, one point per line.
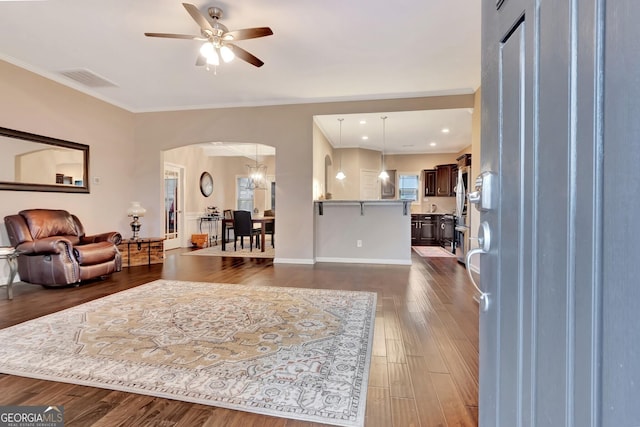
369	185
173	206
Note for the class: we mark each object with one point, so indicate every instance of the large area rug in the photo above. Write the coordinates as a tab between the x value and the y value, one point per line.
287	352
269	252
433	252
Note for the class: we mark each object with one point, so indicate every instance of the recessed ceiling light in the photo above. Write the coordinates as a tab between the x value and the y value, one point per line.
433	144
364	138
445	130
363	122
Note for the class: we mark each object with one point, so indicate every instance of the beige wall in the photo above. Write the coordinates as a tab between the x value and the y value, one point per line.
194	162
127	150
224	171
289	128
34	104
323	153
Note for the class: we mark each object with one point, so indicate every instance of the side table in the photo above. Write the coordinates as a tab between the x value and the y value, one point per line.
212	222
12	260
142	251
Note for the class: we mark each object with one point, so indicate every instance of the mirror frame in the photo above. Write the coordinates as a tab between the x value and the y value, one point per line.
25	186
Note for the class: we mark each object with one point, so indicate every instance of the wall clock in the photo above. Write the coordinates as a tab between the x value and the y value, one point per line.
206	184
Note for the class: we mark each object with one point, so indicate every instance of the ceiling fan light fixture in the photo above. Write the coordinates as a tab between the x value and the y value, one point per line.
213	58
207	49
214	34
227	54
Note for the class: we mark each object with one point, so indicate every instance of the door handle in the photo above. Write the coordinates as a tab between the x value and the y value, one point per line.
484	240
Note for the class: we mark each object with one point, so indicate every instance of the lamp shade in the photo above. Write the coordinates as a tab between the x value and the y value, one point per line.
135	209
207	49
227	54
213	58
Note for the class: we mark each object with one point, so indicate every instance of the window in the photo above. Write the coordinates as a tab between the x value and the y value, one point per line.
245	195
409	184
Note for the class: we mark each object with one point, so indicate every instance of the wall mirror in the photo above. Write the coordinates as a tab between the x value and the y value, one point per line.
32	162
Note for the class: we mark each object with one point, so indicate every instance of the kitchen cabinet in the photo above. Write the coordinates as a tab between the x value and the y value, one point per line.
429	183
454	180
445	180
424	230
432	229
446	230
415	231
464	160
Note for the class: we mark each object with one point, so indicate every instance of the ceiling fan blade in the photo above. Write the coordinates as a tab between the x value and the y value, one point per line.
198	17
201	61
173	36
245	56
247	33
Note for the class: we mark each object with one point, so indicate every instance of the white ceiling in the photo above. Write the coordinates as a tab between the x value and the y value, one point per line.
409	132
326	50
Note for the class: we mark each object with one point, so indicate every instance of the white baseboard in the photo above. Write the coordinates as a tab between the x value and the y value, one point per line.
305	261
4	279
364	261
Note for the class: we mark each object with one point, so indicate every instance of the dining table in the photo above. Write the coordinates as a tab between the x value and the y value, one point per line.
261	220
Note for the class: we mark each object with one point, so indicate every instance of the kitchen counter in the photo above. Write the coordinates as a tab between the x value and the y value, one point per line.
433	213
362	203
362	231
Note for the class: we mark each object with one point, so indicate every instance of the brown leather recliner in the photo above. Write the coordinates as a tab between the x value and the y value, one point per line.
54	250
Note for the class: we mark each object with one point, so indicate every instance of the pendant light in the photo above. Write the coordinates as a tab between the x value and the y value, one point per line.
340	175
257	175
383	174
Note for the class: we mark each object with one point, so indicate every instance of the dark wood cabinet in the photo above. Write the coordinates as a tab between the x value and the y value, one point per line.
429	230
430	183
445	180
424	229
446	226
432	229
454	180
464	160
415	231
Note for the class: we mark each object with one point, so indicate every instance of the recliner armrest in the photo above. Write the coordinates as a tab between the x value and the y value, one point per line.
111	236
47	245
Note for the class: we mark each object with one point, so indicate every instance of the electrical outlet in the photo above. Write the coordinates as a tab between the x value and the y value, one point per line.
359	243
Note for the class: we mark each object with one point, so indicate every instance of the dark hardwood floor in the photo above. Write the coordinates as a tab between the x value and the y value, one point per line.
424	369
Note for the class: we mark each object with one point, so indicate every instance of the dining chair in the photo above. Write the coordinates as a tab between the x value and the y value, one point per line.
243	226
228	214
269	227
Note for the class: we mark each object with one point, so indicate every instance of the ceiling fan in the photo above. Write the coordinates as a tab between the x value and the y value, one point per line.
218	39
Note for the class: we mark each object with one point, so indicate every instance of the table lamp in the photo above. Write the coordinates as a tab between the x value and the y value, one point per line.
135	211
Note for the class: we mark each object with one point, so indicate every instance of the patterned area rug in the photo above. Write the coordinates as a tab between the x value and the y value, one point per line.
288	352
433	251
269	252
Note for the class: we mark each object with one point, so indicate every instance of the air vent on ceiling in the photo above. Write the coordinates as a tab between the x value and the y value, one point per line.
87	78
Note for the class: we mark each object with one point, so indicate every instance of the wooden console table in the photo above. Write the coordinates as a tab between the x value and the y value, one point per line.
142	251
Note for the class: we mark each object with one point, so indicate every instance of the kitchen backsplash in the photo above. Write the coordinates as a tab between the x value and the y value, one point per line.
442	204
